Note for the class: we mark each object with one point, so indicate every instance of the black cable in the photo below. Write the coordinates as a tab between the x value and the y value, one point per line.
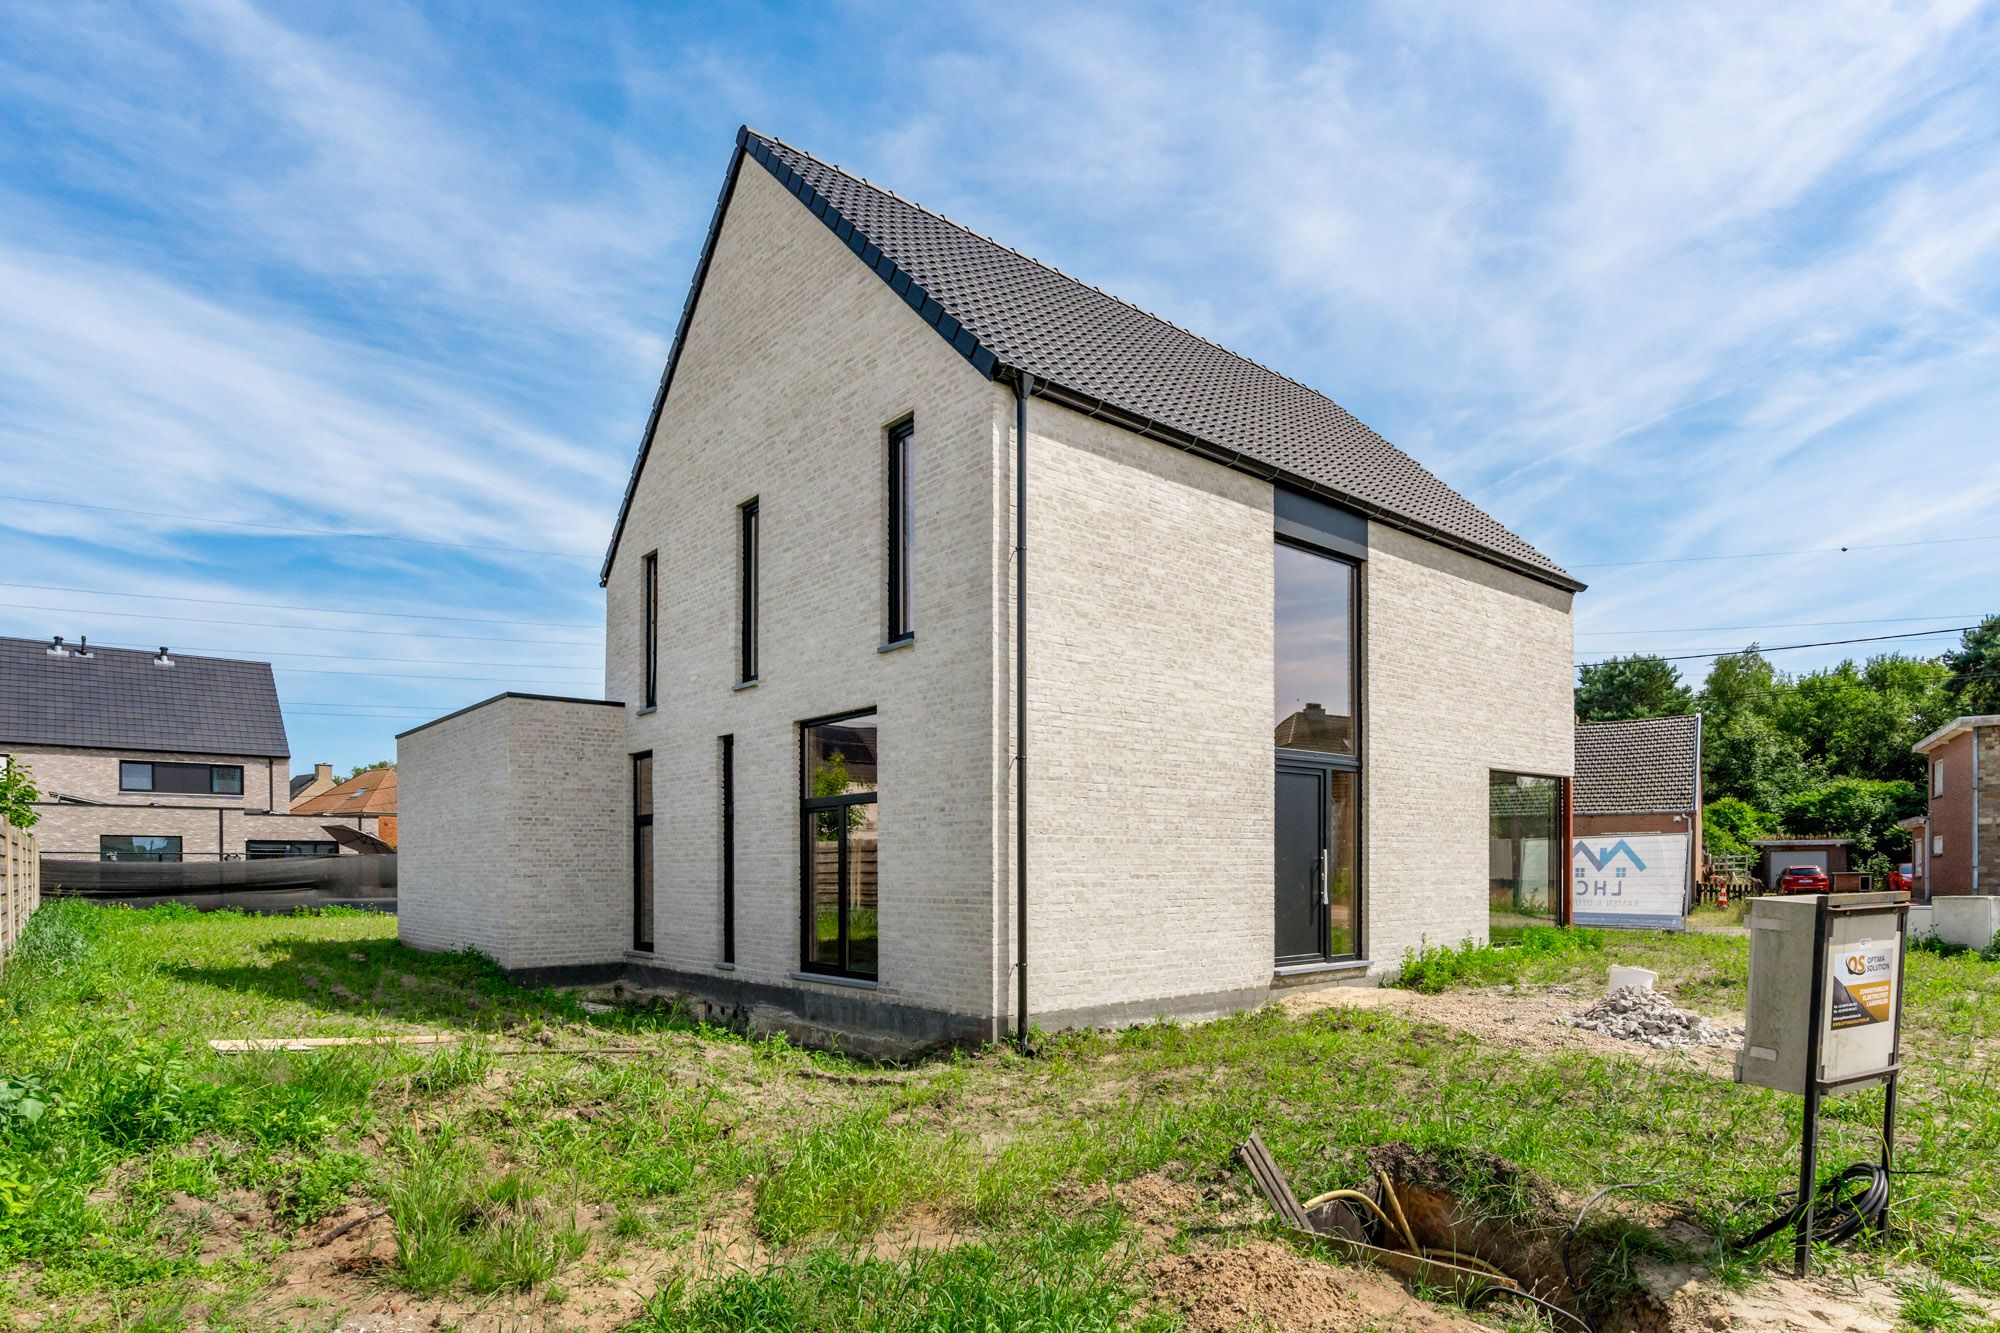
1569	1237
1841	1214
1487	1294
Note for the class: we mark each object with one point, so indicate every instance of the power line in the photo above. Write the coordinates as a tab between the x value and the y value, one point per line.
301	532
1771	555
1787	647
292	606
1777	624
265	624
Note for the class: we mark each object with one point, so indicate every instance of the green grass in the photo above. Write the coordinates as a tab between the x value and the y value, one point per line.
539	1159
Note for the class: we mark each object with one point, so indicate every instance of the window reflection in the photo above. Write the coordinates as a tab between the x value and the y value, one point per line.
1313	696
1525	814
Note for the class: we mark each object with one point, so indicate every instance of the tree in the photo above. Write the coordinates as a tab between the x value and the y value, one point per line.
369	768
1731	827
18	795
1861	721
1619	688
1975	668
1859	808
1744	753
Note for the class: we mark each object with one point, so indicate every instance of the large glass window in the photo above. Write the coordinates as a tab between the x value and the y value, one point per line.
138	847
840	844
1526	853
181	779
274	849
642	852
902	532
1313	703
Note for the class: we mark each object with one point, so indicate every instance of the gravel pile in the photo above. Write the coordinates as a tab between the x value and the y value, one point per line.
1650	1018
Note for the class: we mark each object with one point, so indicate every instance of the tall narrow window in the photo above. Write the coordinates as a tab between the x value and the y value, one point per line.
902	533
649	624
1526	854
839	909
642	852
746	592
729	849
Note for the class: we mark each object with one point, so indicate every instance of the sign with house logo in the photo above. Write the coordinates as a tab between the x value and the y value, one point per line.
1864	983
1632	881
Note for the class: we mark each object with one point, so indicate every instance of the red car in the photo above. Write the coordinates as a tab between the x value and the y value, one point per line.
1803	879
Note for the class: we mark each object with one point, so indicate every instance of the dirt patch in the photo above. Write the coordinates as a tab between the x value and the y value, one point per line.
1534	1019
1266	1286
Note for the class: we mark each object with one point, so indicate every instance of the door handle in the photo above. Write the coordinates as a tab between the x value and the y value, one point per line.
1324	875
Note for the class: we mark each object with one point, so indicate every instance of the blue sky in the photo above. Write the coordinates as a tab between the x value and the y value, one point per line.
1648	283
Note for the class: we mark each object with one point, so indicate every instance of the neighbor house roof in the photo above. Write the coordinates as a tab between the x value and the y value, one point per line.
1953	728
120	699
1008	314
1644	766
369	793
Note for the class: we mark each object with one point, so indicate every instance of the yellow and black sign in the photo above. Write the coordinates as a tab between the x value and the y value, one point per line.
1864	983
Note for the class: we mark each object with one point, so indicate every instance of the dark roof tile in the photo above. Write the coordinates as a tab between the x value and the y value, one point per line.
117	699
1645	766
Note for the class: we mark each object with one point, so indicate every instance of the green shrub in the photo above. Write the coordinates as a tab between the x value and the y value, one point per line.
1429	971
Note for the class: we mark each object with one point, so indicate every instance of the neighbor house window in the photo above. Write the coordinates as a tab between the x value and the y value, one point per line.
1525	840
839	838
138	847
902	533
649	624
267	849
181	779
1937	844
728	757
746	592
1937	777
642	852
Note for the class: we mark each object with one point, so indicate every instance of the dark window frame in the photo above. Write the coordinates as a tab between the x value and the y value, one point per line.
219	776
173	855
902	531
1356	763
1561	840
813	805
749	516
259	849
649	623
728	758
642	858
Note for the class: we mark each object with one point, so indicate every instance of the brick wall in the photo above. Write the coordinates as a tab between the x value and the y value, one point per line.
796	362
1951	814
1149	698
515	838
1987	878
1466	670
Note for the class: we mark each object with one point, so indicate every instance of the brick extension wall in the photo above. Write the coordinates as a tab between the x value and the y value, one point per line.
516	839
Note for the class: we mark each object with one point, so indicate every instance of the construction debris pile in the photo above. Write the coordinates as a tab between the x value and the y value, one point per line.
1650	1018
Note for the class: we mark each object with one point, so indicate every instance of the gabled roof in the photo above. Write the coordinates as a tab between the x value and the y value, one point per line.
369	793
119	699
1648	765
1008	314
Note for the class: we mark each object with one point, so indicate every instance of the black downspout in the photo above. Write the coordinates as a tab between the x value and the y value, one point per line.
1024	384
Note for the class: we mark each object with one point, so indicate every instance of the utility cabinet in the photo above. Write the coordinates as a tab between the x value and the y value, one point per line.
1852	944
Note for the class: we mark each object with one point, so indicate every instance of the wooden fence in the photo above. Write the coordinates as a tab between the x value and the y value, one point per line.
22	885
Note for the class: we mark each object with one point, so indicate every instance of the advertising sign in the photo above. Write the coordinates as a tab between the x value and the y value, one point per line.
1632	881
1864	983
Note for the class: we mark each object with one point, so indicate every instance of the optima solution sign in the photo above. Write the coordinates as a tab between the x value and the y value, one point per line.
1633	881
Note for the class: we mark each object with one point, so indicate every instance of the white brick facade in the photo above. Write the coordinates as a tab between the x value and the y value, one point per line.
1151	652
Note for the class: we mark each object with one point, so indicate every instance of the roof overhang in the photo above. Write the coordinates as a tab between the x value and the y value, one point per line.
1953	728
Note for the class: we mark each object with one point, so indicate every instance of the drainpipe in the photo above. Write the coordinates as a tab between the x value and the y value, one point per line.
1024	384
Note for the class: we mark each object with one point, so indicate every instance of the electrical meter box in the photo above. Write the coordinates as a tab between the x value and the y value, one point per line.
1848	948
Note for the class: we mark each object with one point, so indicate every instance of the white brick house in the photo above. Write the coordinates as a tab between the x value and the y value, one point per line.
804	799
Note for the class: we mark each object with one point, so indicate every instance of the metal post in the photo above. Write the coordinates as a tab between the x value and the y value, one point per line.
1896	1044
1809	1141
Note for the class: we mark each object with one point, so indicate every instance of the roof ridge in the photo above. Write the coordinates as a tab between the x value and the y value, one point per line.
1067	276
178	656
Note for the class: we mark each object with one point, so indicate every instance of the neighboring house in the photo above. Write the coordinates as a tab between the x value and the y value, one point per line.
1640	779
366	801
1963	851
305	786
1777	855
807	799
150	756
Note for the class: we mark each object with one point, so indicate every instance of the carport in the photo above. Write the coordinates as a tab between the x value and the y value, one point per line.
1781	854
